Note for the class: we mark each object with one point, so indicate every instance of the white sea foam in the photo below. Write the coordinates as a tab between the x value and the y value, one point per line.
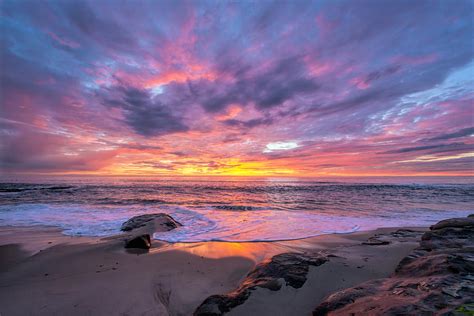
211	224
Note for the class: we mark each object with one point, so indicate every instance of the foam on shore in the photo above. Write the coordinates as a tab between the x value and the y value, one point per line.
210	224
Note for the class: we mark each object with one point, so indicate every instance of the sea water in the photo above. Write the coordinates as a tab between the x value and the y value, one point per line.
234	209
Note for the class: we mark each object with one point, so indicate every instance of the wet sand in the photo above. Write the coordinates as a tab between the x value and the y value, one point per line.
43	272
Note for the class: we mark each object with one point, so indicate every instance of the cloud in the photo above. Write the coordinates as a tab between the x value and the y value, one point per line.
469	131
28	150
145	115
280	82
90	85
278	146
433	148
248	124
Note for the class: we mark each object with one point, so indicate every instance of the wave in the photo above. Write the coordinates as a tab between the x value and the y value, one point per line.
211	224
287	225
12	188
238	208
114	201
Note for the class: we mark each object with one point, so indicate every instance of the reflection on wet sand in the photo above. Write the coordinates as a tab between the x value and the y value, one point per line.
256	251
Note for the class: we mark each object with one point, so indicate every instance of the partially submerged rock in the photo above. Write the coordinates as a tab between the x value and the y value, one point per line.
292	268
160	221
140	242
435	279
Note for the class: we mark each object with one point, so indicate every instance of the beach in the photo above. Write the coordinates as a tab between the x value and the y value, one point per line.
47	273
208	158
260	247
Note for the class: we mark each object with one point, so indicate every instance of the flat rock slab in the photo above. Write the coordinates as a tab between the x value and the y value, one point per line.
160	221
292	268
437	278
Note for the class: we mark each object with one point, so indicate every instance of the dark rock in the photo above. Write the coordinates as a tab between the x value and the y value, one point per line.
291	267
406	233
374	241
141	242
161	220
435	279
447	238
401	235
345	297
454	223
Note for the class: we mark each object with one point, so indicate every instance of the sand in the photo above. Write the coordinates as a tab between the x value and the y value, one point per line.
46	273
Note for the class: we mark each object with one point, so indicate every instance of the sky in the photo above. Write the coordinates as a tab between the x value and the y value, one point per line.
246	88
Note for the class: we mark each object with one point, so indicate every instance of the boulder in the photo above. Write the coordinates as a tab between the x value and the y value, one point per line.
290	268
140	242
139	228
159	221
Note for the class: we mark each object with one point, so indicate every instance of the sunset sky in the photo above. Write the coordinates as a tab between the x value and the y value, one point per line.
259	88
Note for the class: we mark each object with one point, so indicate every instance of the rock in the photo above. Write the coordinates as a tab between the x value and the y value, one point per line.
447	238
401	235
406	233
141	242
161	221
374	241
290	268
435	279
142	226
454	223
345	297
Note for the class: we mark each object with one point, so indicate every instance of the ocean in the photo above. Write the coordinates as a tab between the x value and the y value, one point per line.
234	209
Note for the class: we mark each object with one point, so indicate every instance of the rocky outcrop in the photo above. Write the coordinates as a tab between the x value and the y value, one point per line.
435	279
454	223
291	268
160	221
140	242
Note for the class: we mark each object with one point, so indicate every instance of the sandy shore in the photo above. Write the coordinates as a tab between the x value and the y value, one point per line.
46	273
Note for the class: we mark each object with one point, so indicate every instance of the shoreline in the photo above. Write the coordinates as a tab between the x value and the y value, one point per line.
53	229
92	274
37	238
